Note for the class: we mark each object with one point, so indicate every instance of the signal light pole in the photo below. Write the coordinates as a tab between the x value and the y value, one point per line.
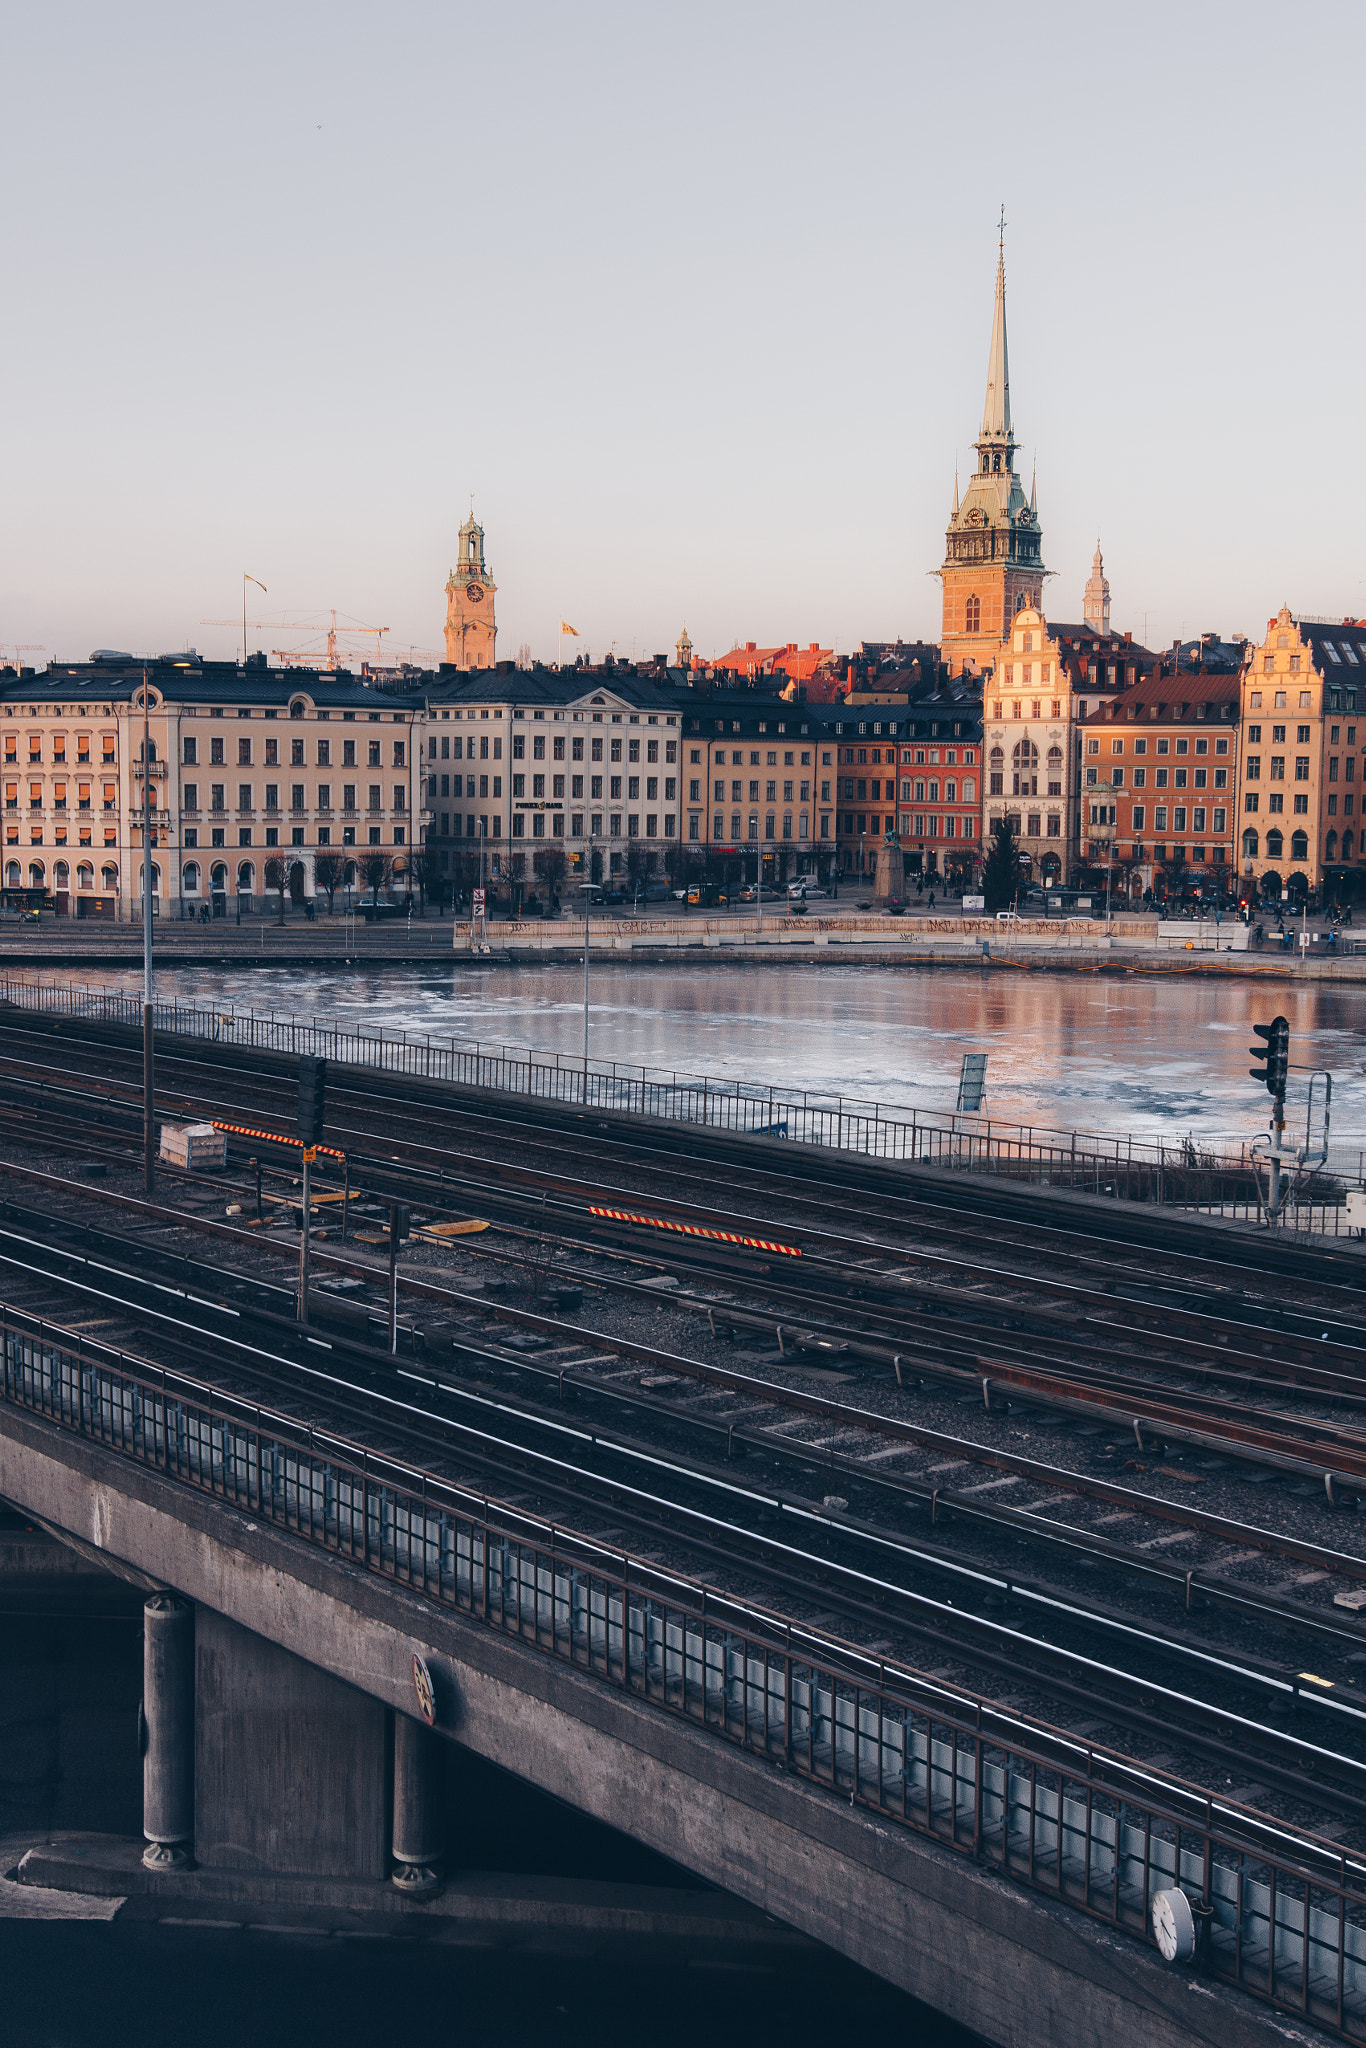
1274	1052
309	1125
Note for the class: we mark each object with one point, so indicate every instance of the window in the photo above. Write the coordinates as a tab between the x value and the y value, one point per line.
191	754
244	753
216	749
972	617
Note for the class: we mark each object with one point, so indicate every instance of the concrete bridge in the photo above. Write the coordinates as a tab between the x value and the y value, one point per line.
299	1635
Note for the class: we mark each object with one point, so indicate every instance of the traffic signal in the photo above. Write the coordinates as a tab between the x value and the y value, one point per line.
312	1093
1276	1054
400	1225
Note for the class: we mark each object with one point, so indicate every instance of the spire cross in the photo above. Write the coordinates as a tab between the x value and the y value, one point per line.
1001	229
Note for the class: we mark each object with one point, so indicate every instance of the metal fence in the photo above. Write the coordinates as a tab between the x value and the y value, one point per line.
1283	1914
1182	1176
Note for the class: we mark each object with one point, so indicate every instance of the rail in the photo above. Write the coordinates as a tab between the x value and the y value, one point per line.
1182	1176
1283	1913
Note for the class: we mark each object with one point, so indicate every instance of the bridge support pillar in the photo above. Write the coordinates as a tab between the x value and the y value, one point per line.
168	1731
418	1783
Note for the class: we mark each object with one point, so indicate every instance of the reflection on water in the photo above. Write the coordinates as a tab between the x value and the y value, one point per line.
1157	1057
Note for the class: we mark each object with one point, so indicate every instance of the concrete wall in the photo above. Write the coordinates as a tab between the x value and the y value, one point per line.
291	1767
1006	1962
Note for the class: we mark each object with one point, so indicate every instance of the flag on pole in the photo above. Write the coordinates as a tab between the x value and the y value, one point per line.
565	627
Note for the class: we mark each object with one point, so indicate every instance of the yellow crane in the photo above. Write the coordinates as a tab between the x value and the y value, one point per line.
303	657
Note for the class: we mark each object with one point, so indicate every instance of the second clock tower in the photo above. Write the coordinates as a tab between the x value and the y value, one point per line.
470	628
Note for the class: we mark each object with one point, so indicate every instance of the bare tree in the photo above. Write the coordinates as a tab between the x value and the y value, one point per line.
425	867
329	872
375	869
550	864
275	879
639	861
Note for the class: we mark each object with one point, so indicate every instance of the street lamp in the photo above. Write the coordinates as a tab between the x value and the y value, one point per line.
260	586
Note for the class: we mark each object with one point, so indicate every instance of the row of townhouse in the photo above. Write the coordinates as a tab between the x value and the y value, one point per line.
253	769
712	770
1095	752
1246	780
245	768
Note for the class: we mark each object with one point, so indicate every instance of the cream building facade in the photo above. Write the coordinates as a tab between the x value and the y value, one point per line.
248	766
1029	750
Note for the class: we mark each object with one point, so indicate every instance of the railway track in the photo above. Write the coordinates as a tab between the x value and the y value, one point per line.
862	1569
853	1296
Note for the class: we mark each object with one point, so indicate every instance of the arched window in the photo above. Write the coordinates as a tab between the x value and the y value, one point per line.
1024	760
297	708
37	874
85	875
1330	846
151	753
109	878
998	759
12	874
804	825
1250	843
156	879
349	875
1275	844
218	876
61	875
1299	846
1024	754
972	612
189	878
1347	846
1054	758
246	876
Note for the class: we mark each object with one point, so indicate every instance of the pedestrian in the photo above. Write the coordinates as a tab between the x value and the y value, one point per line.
931	905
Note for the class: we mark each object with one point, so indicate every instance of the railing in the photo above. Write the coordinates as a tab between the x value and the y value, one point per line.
1284	1912
1182	1176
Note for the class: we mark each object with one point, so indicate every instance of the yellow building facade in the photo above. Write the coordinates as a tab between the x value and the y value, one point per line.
1303	758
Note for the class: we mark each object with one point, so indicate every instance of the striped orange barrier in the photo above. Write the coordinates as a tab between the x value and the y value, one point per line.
758	1244
274	1138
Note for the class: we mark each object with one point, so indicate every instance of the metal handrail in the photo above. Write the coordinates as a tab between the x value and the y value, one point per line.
1087	1826
1181	1176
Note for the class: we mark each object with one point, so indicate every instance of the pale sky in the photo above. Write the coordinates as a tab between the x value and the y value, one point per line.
694	299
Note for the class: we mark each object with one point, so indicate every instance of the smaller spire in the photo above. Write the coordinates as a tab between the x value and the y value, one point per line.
955	486
1034	492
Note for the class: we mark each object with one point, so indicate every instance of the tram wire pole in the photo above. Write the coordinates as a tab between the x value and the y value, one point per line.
148	1046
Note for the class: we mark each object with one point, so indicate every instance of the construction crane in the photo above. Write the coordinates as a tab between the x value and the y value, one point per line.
18	647
295	657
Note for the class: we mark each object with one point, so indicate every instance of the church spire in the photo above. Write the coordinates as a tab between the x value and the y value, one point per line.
996	411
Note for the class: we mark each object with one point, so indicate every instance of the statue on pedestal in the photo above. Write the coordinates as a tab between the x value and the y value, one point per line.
890	883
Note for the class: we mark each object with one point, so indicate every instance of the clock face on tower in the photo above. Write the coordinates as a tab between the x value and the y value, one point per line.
473	592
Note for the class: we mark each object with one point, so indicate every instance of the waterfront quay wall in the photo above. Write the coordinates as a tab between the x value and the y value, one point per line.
918	941
1016	1967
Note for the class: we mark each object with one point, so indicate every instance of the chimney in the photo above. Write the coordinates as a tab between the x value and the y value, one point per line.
1128	639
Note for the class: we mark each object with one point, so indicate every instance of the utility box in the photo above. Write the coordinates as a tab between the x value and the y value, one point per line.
198	1148
1354	1209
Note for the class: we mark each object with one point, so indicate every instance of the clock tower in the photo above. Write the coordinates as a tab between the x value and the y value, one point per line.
470	628
993	561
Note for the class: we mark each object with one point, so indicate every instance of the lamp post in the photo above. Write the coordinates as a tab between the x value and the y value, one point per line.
260	586
587	905
148	1062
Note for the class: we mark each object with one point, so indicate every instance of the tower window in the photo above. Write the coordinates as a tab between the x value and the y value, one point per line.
972	615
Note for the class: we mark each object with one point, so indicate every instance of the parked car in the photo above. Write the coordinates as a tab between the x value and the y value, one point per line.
803	890
372	911
658	892
707	896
